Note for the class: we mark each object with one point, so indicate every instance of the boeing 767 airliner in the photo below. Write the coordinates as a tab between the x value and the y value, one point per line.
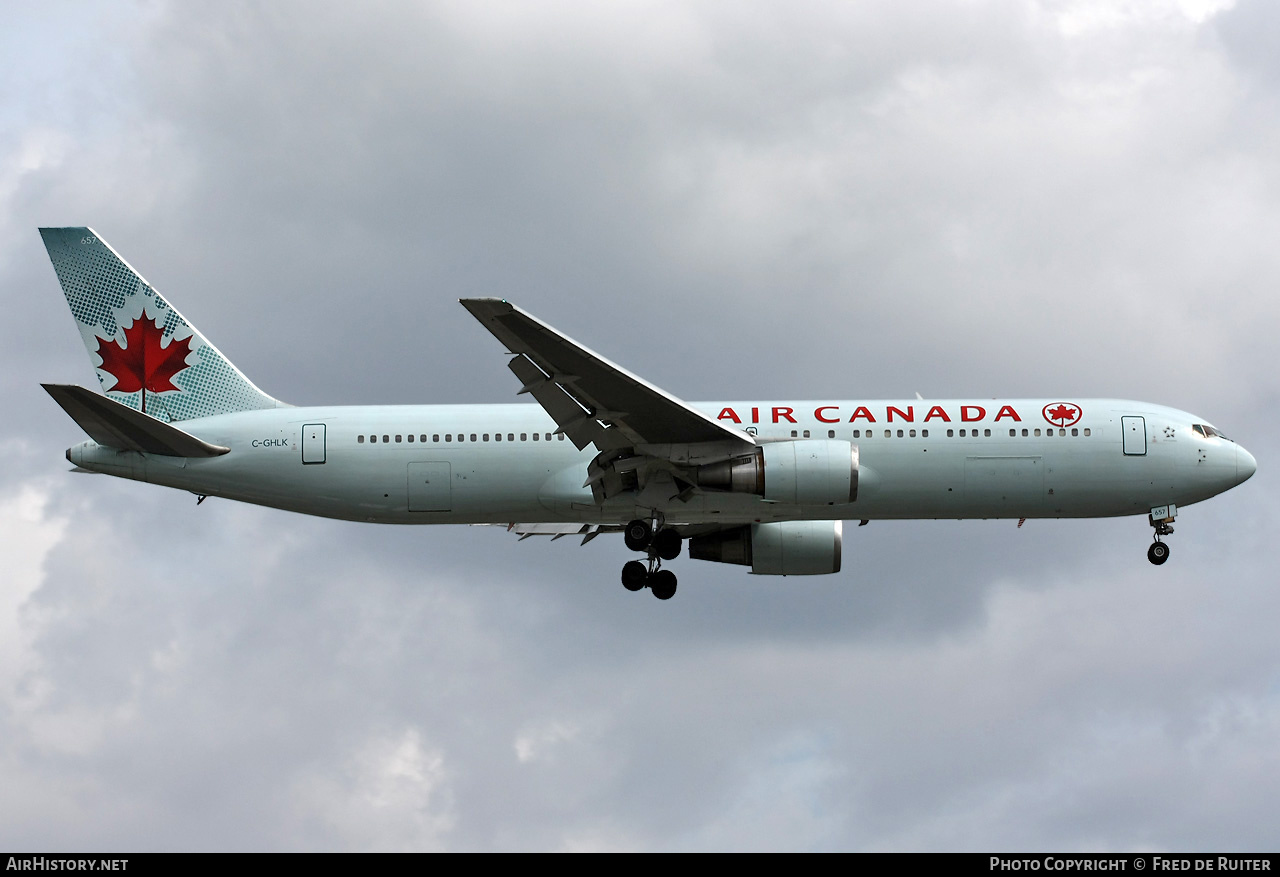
766	484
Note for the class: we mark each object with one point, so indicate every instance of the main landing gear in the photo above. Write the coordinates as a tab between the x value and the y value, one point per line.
1161	521
663	545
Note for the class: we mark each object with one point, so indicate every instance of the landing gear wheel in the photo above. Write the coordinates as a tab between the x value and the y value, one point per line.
637	535
634	575
1158	553
663	584
667	544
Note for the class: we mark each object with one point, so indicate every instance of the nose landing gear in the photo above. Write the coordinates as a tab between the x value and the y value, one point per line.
1161	518
1158	553
662	545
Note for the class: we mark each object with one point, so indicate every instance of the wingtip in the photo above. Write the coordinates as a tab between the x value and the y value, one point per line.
485	307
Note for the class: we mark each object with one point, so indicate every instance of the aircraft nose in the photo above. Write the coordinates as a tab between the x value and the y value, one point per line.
1245	465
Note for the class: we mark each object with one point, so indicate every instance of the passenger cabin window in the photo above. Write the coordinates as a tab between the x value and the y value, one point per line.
1087	431
951	433
511	436
360	439
806	433
436	439
924	433
831	433
485	436
524	436
386	438
987	433
795	434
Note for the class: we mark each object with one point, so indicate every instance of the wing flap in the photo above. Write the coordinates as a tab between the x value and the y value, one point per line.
110	423
570	417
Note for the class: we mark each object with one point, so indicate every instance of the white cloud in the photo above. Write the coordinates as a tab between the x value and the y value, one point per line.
391	794
28	533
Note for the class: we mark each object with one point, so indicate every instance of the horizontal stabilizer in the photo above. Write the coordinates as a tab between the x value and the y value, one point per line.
118	426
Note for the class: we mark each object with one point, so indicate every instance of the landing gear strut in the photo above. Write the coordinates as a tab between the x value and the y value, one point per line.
1161	521
664	544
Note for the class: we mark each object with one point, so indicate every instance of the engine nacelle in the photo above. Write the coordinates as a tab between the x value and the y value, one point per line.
804	472
784	548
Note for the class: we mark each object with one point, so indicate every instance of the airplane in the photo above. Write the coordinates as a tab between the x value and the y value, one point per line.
764	483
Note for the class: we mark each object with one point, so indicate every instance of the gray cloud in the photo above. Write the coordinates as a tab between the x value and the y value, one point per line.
995	198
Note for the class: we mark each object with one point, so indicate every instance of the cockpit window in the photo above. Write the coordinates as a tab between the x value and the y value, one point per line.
1208	431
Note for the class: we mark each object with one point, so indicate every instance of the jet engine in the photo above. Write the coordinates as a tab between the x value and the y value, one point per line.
804	472
784	548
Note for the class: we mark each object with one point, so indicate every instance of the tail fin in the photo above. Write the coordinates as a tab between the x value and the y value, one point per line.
147	355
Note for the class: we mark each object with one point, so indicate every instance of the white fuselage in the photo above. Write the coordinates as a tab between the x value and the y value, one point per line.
504	463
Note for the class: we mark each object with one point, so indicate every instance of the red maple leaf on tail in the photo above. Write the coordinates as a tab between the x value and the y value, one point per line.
142	364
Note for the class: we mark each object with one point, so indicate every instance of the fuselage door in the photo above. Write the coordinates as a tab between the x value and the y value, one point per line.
429	487
313	443
1134	429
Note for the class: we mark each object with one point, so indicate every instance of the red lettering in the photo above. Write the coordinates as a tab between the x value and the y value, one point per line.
782	412
817	413
909	415
1007	411
965	416
863	413
936	411
729	414
755	415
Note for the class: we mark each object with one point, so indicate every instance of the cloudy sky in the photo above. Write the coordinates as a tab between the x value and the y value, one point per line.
804	200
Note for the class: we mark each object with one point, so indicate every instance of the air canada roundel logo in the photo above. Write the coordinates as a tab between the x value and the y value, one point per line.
1062	413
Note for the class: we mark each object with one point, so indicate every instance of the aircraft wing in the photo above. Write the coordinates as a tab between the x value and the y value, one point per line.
591	399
